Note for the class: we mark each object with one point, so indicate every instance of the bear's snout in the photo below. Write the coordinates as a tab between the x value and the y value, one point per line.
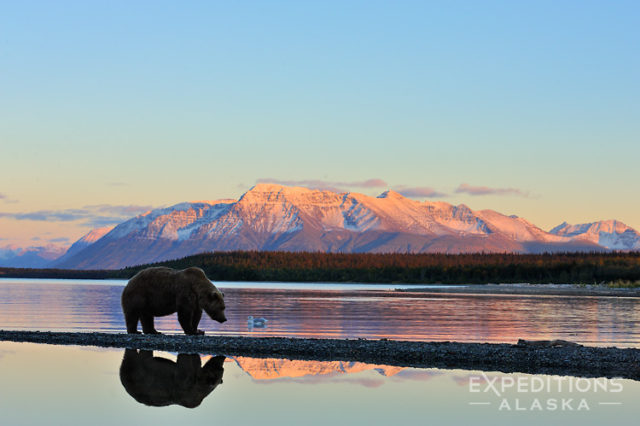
220	317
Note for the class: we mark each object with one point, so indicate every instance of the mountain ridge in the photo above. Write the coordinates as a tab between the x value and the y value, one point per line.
275	217
30	257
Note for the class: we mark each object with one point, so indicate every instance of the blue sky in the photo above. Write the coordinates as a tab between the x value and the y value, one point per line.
138	104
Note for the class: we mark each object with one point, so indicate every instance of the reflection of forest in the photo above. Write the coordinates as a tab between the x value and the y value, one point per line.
158	381
277	368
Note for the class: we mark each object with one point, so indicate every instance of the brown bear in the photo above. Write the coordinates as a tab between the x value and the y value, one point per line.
160	291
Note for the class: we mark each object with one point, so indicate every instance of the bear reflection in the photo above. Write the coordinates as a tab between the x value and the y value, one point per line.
159	382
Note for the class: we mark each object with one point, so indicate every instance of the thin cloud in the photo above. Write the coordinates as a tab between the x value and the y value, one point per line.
369	183
94	215
485	190
68	215
59	240
130	210
336	186
419	192
101	221
5	199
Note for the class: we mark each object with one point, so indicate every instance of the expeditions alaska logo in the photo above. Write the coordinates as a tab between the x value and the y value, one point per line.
546	393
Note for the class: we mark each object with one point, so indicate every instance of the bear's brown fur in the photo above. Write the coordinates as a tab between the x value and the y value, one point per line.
160	291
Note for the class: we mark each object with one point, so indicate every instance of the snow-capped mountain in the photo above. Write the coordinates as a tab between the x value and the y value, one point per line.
275	217
611	234
84	242
30	257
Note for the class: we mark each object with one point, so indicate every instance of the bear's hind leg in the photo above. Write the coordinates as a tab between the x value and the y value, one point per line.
147	324
131	320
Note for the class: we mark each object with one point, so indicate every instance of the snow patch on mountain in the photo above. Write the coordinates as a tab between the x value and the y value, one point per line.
167	223
611	234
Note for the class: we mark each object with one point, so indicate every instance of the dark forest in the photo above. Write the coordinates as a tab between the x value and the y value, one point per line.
479	268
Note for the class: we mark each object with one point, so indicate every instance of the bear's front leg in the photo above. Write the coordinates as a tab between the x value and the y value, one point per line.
147	324
196	320
185	318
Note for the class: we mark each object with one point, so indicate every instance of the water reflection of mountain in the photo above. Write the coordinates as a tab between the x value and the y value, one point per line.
159	382
276	368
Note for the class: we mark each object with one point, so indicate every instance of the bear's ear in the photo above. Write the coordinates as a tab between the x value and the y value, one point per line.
195	271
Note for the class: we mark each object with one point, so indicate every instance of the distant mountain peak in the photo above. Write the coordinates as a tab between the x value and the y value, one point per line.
265	187
557	229
611	234
95	234
275	187
271	192
213	202
391	194
30	257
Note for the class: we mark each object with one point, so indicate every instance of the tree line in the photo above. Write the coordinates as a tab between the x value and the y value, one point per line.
476	268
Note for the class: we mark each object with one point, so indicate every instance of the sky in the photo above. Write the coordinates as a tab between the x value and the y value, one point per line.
109	109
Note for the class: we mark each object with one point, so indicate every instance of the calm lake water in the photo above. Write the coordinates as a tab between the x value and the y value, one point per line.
338	311
58	385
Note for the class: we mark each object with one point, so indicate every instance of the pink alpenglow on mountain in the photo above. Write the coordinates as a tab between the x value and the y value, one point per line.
276	217
85	241
95	234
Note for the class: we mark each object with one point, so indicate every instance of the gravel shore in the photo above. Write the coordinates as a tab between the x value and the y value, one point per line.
580	361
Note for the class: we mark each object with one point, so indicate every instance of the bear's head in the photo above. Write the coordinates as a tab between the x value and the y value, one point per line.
213	305
210	299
